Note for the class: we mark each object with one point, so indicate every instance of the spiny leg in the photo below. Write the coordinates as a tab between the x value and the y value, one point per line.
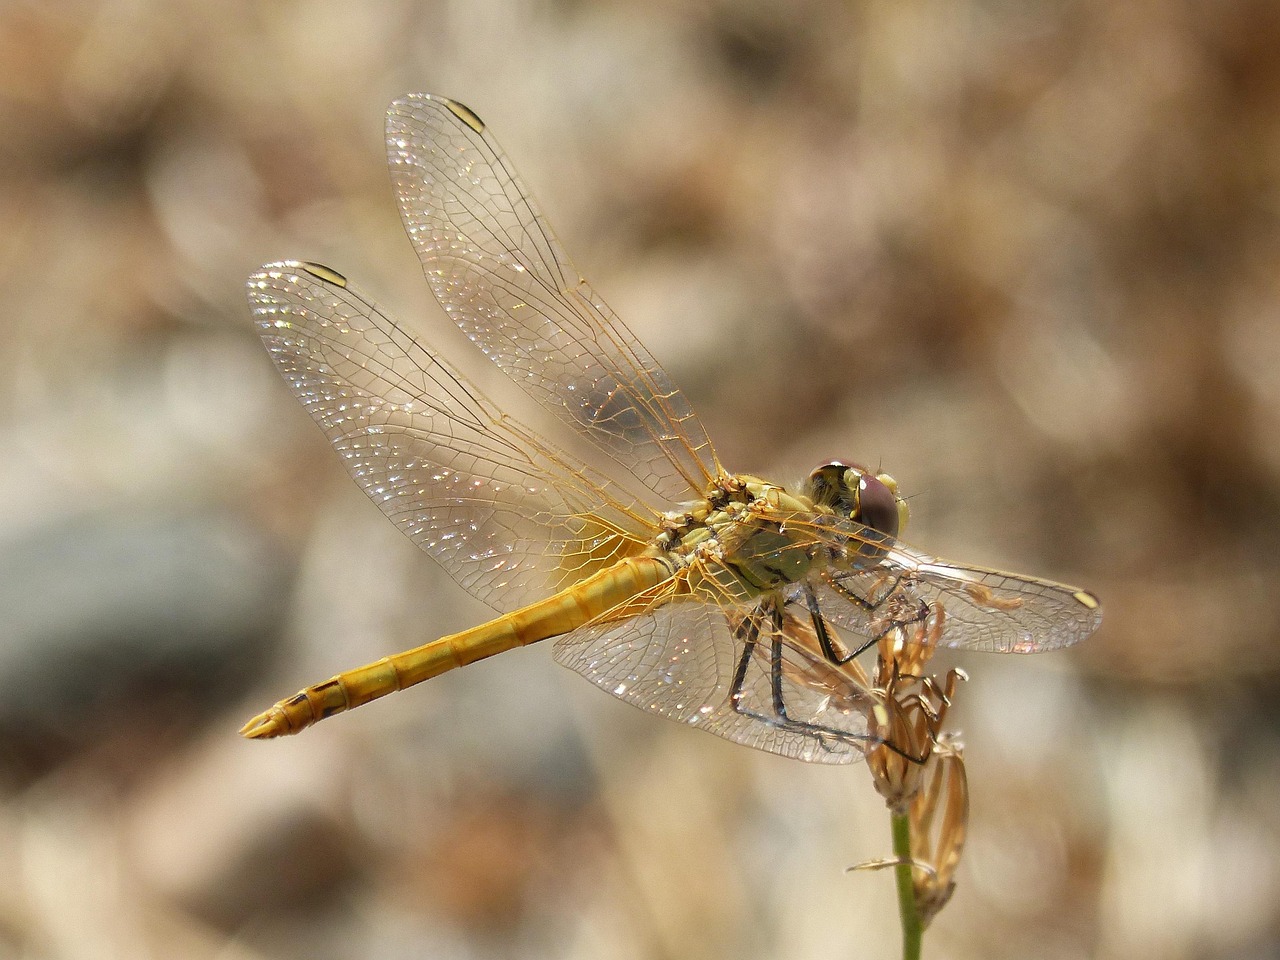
775	666
818	731
918	615
829	651
748	633
820	629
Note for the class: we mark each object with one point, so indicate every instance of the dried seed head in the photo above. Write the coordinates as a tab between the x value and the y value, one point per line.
911	709
895	763
910	650
918	769
939	817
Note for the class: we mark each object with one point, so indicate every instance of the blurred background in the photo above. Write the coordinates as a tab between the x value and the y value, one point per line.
1026	257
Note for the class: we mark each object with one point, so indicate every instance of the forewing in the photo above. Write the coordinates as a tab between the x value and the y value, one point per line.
681	660
495	266
885	584
506	514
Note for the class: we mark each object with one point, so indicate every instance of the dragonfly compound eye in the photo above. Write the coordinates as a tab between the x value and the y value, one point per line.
878	505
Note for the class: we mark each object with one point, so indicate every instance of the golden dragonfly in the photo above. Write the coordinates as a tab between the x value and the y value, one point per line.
716	599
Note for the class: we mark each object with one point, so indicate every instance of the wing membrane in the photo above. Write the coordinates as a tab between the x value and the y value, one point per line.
684	660
886	584
508	516
495	266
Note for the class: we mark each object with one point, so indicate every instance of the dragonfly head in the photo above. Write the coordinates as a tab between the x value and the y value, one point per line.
853	491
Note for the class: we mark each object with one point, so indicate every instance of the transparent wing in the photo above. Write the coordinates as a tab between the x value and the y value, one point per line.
509	517
686	661
880	583
495	266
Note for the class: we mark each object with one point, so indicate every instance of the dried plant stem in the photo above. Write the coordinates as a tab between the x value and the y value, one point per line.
912	928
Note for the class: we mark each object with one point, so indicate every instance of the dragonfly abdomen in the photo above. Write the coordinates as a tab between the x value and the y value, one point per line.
623	590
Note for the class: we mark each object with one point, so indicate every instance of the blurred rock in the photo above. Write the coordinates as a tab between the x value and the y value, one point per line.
142	617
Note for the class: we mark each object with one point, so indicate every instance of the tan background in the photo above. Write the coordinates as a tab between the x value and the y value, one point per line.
1025	256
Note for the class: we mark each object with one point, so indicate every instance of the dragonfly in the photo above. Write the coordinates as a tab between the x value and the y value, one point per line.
719	600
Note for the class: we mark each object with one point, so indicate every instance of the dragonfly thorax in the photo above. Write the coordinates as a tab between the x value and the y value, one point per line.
739	537
855	492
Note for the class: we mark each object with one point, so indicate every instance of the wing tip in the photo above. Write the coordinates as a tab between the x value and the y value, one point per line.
1093	610
465	114
323	273
407	104
1089	600
268	273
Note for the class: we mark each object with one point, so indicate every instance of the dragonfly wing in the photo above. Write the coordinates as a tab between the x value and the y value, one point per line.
892	585
507	515
497	269
685	660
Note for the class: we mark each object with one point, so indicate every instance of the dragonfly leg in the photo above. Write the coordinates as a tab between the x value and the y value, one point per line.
919	614
820	628
748	633
775	672
818	731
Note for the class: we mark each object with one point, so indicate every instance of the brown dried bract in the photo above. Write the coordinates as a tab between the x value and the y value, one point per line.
939	815
918	768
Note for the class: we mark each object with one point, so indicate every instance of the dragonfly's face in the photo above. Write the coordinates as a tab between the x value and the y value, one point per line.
855	492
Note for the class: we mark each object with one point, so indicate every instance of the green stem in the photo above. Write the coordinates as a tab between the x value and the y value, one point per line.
912	931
